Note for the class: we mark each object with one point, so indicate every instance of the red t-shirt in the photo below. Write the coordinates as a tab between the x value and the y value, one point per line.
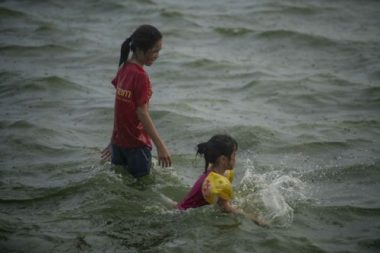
133	89
195	197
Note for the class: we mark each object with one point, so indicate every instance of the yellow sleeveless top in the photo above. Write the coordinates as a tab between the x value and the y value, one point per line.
217	186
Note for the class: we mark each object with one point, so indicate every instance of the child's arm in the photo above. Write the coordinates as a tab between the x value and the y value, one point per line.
227	207
163	155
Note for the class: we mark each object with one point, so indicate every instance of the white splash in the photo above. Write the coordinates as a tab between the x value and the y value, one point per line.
269	195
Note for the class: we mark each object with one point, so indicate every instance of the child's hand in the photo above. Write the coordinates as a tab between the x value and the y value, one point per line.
164	158
261	223
106	153
257	220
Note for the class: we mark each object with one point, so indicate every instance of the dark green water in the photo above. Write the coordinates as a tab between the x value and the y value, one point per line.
297	83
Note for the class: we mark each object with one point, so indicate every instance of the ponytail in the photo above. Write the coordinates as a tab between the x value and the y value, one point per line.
202	150
124	52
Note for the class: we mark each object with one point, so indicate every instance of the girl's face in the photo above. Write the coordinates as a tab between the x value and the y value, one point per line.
232	160
152	54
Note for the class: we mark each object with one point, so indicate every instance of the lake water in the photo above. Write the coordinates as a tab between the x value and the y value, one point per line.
297	83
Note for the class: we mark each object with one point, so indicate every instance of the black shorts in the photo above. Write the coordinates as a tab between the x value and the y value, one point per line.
137	161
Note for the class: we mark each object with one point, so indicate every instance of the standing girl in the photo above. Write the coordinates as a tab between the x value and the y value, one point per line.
214	185
133	130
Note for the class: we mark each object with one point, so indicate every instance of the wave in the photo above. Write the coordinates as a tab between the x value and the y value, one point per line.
343	173
33	148
372	95
313	147
52	82
282	9
318	100
24	125
95	189
299	10
22	51
47	29
109	6
253	136
338	214
207	64
330	79
311	91
149	2
20	87
171	13
35	194
9	13
297	38
9	78
177	115
36	141
373	124
375	75
233	31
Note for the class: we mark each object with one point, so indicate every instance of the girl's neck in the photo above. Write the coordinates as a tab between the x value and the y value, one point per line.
134	59
218	169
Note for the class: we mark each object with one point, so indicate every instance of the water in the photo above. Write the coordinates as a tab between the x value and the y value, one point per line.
297	83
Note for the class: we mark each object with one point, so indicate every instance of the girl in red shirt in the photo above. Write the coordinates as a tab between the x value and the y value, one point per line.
133	130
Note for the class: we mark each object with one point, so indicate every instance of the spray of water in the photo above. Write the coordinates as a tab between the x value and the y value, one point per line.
270	195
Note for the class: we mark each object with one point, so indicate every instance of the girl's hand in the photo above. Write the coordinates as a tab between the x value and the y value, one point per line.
261	223
106	153
257	220
164	159
227	207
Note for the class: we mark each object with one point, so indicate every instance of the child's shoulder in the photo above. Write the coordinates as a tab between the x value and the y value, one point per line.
132	69
216	186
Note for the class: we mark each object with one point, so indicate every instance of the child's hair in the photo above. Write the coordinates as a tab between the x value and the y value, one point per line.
144	38
217	146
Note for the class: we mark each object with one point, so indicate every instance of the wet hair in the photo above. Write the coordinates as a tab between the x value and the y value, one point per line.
144	38
217	146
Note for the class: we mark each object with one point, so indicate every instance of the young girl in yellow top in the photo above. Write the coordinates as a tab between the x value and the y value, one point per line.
214	185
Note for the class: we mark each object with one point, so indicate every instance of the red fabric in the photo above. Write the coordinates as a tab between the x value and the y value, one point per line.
133	89
195	197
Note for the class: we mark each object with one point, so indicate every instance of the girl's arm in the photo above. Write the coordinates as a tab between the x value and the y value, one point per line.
164	158
227	207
